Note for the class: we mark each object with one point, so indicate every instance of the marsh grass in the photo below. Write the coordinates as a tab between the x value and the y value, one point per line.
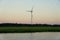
28	29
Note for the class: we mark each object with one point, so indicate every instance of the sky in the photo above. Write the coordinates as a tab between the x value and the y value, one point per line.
44	11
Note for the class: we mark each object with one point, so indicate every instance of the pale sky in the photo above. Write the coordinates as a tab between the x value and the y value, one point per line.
15	11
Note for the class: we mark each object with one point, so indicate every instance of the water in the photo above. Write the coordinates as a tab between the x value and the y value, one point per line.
31	36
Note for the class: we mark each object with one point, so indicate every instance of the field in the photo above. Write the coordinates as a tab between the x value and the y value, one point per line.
28	29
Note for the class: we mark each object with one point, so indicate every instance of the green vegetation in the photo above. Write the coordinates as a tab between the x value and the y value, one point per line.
28	29
23	28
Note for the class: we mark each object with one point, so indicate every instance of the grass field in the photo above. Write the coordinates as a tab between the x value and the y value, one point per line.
28	29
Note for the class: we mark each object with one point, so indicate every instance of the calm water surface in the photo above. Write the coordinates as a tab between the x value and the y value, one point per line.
31	36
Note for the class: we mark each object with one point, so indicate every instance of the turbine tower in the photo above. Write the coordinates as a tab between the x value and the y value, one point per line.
31	11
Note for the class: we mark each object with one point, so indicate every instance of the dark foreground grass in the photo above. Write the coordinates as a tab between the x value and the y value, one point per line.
28	29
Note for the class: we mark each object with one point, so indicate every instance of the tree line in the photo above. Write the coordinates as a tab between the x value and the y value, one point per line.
28	25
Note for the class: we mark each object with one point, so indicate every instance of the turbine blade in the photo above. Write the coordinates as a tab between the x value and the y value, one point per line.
28	11
32	8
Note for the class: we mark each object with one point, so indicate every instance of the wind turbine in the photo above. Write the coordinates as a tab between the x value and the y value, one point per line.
31	11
